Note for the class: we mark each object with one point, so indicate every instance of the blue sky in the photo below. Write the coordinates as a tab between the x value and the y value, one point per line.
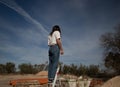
25	25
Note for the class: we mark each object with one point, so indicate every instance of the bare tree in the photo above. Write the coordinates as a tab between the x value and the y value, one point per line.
111	44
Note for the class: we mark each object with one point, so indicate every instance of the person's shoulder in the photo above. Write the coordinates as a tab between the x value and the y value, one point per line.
56	32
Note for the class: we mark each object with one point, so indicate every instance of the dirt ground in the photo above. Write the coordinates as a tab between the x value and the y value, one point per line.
113	82
4	79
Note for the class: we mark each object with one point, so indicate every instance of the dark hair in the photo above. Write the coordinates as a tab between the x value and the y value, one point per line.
55	28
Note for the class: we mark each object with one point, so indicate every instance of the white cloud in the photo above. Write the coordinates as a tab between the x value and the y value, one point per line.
32	53
27	47
85	48
13	5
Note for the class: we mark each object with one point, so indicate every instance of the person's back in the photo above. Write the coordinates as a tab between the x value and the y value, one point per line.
55	49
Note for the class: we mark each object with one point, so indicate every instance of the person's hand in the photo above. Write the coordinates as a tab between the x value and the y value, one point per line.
61	51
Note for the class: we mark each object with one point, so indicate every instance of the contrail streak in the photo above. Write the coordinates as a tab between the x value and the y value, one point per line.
13	5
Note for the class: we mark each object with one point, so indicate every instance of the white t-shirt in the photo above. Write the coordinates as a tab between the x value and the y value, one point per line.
52	39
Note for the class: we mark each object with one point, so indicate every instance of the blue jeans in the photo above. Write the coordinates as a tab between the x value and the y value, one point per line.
54	53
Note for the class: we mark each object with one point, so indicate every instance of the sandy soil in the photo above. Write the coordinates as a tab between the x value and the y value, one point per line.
113	82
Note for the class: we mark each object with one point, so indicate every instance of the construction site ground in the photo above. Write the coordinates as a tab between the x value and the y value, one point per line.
5	79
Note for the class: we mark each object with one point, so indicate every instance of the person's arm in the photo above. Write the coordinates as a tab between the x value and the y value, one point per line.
60	46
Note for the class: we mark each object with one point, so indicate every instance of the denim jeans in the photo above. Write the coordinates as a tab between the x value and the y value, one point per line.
54	53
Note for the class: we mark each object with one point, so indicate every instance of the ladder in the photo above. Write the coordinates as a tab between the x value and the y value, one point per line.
55	79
